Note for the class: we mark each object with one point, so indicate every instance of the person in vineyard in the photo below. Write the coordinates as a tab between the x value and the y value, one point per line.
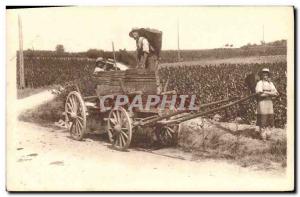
143	50
265	114
100	65
146	56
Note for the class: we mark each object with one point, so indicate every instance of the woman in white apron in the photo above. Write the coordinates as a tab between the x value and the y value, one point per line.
265	112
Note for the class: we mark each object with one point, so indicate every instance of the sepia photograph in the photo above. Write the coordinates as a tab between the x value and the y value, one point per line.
150	98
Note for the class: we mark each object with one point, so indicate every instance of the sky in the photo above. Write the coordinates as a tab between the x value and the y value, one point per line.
83	28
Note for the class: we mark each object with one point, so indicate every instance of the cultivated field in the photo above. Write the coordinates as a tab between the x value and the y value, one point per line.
213	80
235	60
229	139
203	78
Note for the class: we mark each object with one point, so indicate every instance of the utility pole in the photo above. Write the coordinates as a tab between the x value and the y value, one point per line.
113	47
263	38
178	48
21	57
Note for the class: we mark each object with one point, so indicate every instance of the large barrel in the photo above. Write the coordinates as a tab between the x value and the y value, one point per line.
120	82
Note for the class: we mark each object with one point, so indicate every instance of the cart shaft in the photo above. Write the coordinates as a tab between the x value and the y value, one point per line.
156	119
189	117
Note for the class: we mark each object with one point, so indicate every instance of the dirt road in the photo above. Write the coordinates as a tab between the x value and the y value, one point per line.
40	158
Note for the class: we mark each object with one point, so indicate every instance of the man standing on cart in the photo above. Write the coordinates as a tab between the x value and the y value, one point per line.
147	55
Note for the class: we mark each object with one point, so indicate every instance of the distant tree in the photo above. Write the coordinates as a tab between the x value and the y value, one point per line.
94	53
126	58
60	48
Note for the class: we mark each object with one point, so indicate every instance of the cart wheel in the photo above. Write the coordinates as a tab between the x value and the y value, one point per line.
167	135
119	128
75	115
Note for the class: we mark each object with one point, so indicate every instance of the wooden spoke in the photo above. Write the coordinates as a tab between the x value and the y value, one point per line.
75	113
75	104
121	121
122	139
119	144
113	121
69	107
124	134
120	126
119	118
112	135
167	135
171	130
73	129
81	118
72	102
76	128
79	123
115	117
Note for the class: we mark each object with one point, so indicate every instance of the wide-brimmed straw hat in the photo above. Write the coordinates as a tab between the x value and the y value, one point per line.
265	70
100	59
135	29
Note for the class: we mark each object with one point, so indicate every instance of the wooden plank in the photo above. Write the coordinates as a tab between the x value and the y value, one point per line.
133	80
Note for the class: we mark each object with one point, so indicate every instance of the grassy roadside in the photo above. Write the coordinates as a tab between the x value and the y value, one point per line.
239	143
26	92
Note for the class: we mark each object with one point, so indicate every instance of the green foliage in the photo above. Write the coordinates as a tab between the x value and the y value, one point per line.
44	68
212	83
94	53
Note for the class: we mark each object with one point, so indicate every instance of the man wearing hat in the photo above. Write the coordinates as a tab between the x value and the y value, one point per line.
100	65
146	59
143	48
265	113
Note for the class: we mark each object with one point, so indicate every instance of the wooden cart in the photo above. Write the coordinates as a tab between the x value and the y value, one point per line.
119	123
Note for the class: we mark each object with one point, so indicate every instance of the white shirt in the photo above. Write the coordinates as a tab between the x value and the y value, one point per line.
97	69
143	44
263	85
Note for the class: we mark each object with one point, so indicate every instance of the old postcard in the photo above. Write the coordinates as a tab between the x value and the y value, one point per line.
150	98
